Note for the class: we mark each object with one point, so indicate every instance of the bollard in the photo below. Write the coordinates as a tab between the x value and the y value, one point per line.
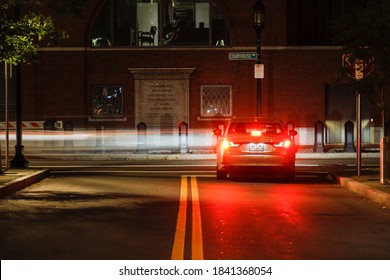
68	126
141	145
217	133
183	137
291	130
49	124
349	146
99	138
68	141
290	126
319	146
386	133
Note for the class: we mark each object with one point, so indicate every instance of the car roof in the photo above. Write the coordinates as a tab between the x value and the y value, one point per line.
255	119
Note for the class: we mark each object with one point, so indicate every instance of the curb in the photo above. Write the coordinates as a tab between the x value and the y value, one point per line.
335	155
23	182
131	156
381	198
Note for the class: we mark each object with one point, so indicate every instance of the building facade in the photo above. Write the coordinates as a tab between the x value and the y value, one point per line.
162	62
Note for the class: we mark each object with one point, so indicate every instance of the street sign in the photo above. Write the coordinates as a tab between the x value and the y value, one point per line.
357	68
242	56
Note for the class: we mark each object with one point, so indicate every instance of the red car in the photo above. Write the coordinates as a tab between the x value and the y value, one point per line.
256	146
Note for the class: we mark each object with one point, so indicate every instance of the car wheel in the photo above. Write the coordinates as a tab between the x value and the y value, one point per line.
221	175
290	176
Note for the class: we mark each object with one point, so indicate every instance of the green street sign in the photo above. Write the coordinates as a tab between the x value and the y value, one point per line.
242	56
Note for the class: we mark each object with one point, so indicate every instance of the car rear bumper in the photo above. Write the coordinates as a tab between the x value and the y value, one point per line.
261	165
258	160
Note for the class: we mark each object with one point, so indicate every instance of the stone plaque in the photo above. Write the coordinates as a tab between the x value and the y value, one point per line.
161	96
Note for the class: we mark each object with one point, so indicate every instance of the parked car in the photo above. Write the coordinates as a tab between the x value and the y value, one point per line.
255	146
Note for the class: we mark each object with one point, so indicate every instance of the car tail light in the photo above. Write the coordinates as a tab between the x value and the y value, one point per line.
256	133
283	144
227	144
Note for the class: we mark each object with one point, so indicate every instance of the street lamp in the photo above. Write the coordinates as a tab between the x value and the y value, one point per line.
258	24
18	161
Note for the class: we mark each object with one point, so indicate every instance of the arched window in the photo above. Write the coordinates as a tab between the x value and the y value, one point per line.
143	23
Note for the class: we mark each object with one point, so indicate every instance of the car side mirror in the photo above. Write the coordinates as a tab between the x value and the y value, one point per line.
292	132
217	132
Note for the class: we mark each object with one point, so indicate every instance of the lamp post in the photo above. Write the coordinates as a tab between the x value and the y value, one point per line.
258	24
18	161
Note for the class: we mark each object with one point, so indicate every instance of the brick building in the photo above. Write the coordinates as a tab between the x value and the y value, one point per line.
164	61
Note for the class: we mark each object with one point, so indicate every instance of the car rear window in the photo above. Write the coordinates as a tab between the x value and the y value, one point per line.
250	127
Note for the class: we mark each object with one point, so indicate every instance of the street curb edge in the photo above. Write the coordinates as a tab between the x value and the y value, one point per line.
381	198
23	182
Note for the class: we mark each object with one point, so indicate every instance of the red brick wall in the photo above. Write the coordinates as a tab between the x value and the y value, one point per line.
293	89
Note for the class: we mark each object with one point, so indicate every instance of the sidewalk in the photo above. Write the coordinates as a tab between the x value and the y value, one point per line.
367	185
13	180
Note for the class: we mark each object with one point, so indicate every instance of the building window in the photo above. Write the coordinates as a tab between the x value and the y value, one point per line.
216	100
140	23
107	101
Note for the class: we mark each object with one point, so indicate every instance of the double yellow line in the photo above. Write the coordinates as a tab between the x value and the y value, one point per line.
181	224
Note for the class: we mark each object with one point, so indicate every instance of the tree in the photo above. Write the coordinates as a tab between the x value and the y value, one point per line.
23	29
364	33
22	33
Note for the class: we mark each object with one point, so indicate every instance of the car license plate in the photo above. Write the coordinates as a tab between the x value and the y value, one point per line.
256	147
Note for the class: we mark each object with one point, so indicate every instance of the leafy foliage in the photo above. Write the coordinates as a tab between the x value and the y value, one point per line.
21	34
364	33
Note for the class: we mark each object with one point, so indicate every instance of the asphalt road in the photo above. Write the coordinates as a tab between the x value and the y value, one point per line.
182	212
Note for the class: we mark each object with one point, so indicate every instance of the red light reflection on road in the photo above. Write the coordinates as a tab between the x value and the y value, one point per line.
247	220
286	202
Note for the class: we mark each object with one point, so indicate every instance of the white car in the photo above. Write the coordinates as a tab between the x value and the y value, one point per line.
256	145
